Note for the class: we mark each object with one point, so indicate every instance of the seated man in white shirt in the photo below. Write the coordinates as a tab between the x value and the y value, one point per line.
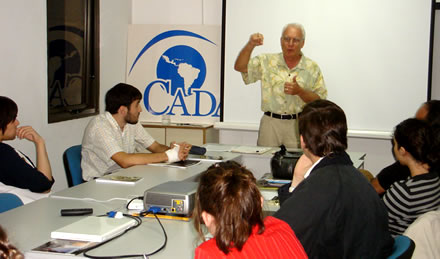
110	139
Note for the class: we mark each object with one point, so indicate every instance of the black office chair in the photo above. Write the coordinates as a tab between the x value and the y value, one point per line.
403	248
72	165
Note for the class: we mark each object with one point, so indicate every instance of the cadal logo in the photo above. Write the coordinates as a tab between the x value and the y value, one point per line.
180	73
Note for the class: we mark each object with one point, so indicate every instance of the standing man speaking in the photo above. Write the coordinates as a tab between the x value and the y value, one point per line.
289	80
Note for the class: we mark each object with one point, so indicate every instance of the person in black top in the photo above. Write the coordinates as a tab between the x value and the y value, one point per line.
429	112
333	210
16	169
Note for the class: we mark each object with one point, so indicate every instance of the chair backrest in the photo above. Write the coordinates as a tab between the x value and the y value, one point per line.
426	235
403	248
9	201
72	165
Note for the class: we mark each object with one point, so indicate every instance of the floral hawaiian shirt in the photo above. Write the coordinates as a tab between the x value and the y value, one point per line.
273	72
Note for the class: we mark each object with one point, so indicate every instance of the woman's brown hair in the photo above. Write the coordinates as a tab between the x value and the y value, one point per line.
323	126
228	192
8	251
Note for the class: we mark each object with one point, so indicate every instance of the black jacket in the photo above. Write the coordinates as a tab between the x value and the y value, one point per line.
336	213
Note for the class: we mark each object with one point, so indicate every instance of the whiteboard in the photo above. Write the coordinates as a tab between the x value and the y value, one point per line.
373	54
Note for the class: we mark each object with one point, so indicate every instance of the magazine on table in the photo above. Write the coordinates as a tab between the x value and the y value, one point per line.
179	164
205	158
64	246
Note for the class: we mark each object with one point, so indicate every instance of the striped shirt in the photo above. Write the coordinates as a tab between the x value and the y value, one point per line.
408	199
277	241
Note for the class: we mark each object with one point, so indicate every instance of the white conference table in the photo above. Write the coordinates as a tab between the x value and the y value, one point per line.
30	226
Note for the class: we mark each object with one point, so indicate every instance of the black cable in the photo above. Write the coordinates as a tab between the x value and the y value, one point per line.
165	240
139	222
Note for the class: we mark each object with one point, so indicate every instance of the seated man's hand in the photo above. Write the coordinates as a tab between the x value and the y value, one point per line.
301	167
184	150
173	153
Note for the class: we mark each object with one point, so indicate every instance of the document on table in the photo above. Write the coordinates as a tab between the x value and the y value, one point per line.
218	148
250	149
238	149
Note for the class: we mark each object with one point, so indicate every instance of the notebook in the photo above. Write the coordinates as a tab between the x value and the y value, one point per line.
94	229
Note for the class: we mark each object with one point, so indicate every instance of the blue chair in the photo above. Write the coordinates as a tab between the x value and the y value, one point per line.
403	248
72	165
9	201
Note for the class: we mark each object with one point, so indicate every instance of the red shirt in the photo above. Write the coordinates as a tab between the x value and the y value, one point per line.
277	241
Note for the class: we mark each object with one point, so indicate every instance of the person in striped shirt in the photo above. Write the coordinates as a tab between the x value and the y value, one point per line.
229	203
430	112
415	146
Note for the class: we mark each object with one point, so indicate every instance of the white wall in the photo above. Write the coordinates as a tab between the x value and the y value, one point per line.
114	20
207	12
23	71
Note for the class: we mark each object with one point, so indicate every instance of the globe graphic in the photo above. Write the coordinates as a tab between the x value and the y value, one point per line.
184	67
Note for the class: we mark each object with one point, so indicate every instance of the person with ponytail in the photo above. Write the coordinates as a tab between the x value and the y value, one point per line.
415	145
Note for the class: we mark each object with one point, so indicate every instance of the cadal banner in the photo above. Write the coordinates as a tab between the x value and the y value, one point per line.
177	69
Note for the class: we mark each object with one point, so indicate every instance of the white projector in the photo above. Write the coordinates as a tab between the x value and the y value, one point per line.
173	197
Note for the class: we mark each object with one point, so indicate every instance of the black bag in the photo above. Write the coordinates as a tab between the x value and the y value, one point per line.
283	163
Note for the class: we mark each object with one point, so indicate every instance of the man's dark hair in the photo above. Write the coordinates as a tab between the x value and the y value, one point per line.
228	191
323	126
417	137
8	112
121	95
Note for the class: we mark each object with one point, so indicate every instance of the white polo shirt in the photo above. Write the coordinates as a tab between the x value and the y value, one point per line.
103	138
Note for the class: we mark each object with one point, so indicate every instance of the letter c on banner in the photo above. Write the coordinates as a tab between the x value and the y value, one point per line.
165	85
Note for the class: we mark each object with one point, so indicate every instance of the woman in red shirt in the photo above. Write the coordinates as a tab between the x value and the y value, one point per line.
229	203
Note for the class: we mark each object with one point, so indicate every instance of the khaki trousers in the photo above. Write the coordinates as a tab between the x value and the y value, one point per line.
274	132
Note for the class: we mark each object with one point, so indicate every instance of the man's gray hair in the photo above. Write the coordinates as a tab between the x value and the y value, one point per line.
295	25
